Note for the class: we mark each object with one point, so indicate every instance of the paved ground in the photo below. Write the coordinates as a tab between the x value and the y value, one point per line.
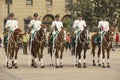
68	72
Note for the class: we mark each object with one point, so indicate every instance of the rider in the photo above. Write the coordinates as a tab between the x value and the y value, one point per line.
35	25
78	25
11	25
103	26
56	27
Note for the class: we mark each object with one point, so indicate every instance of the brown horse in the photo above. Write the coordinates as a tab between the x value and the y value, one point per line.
13	47
58	45
37	47
81	44
105	45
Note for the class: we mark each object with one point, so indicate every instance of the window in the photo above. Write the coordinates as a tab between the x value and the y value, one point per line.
48	2
29	2
10	1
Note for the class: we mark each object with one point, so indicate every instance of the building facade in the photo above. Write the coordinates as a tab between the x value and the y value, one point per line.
23	9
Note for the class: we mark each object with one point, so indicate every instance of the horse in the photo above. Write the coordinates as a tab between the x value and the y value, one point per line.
58	45
37	47
13	48
81	44
106	44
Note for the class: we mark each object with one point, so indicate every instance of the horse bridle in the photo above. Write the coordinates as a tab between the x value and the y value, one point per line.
61	37
13	40
42	38
84	38
110	33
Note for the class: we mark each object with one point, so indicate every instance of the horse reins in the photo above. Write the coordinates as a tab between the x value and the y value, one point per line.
81	37
108	42
42	38
59	41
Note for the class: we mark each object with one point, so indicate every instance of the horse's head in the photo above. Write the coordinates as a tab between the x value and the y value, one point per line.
41	33
110	33
61	34
85	32
18	34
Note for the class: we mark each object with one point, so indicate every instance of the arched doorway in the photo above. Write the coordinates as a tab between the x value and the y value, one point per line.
67	21
47	20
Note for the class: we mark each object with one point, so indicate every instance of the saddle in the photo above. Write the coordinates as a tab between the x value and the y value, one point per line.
52	37
74	36
98	39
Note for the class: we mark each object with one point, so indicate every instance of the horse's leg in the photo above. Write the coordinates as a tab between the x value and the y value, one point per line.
79	56
32	63
108	57
51	55
84	56
35	58
7	55
61	56
99	56
13	57
57	58
75	55
10	61
41	56
93	52
103	58
15	61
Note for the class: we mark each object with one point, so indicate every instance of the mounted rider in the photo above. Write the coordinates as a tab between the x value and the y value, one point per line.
56	27
103	27
34	25
11	25
78	25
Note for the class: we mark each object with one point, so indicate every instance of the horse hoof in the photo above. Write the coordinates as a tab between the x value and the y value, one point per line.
84	66
79	65
15	66
76	65
35	65
61	66
99	64
32	65
108	66
9	67
42	66
7	64
57	66
103	66
94	64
